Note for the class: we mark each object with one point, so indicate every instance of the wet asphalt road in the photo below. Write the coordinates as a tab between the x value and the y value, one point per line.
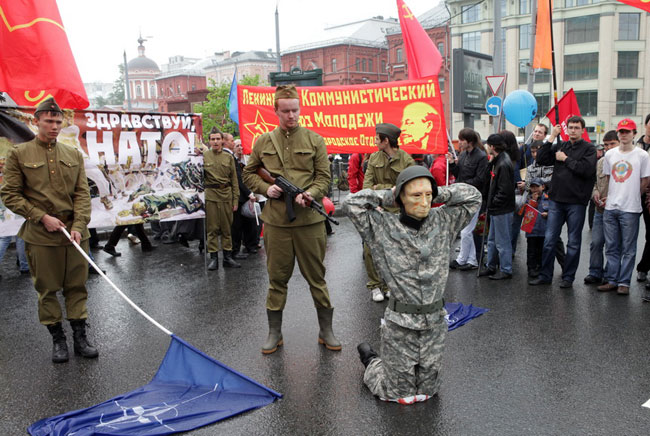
543	361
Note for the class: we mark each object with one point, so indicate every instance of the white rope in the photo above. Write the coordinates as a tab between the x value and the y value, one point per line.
101	273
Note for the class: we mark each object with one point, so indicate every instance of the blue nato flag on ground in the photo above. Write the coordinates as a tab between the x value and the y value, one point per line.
233	107
459	314
190	390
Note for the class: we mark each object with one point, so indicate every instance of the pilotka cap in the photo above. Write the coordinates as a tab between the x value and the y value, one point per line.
388	129
48	105
285	91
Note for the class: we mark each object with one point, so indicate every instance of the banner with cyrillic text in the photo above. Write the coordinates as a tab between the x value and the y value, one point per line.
346	116
140	166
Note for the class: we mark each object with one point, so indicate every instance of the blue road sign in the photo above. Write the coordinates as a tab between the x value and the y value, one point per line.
493	106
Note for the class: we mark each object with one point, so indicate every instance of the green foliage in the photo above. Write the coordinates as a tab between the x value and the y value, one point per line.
215	108
117	94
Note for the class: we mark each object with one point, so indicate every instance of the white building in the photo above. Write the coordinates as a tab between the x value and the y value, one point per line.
600	51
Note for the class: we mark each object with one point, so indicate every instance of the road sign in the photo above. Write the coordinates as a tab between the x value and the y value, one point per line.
493	106
495	82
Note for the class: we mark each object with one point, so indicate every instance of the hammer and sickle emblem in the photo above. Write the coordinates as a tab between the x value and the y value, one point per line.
408	14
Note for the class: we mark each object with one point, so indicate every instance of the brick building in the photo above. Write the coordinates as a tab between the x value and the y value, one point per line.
175	88
349	54
248	64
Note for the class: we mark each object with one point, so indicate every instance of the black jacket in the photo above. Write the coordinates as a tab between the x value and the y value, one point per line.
573	180
500	180
471	168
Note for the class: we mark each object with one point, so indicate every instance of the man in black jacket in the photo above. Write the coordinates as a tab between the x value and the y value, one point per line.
500	206
574	175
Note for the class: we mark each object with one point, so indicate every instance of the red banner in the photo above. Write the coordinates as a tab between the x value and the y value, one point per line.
36	61
641	4
346	116
567	107
530	216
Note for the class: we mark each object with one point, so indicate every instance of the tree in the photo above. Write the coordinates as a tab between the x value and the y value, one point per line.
117	94
215	108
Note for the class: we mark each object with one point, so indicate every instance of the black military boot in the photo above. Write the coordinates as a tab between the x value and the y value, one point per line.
81	344
326	335
366	353
214	261
59	348
228	261
274	340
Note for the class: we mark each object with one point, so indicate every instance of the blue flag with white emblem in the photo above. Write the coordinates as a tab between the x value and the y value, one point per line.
459	314
233	107
190	390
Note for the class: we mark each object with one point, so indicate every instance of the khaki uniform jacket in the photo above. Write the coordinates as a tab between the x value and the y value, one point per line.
602	183
383	170
300	157
40	179
219	169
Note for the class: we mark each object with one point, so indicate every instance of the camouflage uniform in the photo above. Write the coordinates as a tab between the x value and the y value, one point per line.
414	265
382	172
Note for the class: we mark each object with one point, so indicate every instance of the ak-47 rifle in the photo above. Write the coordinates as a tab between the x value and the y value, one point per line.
290	192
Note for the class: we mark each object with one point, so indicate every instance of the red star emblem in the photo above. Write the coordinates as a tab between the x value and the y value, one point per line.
259	126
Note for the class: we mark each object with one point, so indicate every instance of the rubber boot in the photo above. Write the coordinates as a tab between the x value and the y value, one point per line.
59	347
326	335
214	262
81	344
274	339
228	261
366	353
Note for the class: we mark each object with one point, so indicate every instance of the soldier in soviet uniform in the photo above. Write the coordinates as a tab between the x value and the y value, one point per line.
411	252
299	155
383	168
45	182
221	199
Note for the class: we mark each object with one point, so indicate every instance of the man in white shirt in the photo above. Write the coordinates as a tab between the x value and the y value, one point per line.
628	170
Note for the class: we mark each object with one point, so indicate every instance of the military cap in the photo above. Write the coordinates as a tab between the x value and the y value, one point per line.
410	173
285	91
48	105
214	130
388	129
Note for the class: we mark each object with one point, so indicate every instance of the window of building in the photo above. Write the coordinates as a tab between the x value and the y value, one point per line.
542	76
441	48
162	92
178	88
441	83
370	66
504	10
171	91
625	101
298	61
587	102
628	27
357	64
138	91
363	65
524	7
543	104
152	91
398	55
383	66
581	66
524	36
628	64
471	13
572	3
334	65
523	72
193	87
582	29
472	41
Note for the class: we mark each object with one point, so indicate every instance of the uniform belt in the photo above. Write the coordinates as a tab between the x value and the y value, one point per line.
217	185
419	309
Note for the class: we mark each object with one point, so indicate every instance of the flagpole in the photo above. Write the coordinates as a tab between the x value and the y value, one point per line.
550	17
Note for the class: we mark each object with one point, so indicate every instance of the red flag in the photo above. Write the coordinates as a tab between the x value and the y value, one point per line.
424	59
543	56
641	4
568	107
530	216
36	61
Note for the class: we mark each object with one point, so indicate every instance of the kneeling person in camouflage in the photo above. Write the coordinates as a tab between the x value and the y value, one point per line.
411	253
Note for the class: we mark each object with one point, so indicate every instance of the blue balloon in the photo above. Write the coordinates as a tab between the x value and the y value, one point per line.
520	107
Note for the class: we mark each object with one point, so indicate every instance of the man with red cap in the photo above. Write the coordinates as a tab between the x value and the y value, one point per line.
628	170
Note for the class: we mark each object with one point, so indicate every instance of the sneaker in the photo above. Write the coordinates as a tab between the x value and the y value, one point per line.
623	290
133	239
641	276
607	287
377	295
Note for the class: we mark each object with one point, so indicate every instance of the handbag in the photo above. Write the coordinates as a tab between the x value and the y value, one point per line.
250	209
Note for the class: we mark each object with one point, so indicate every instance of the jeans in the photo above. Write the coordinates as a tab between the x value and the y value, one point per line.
499	243
515	229
467	252
644	263
596	262
621	233
558	214
20	251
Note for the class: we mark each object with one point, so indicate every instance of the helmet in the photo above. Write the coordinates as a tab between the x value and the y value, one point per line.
410	173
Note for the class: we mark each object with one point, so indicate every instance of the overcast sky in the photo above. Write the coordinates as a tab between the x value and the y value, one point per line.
99	32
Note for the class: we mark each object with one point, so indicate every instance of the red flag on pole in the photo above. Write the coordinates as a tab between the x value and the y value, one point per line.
36	61
424	59
543	57
641	4
530	216
567	107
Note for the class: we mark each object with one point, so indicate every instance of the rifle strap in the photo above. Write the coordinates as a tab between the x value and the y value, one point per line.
278	148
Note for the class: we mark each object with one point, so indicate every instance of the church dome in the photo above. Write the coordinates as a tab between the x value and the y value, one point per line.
142	63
